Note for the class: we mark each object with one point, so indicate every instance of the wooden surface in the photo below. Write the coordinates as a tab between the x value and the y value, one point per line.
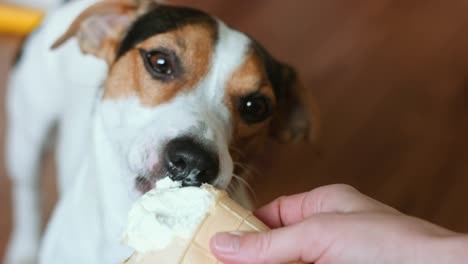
391	79
7	48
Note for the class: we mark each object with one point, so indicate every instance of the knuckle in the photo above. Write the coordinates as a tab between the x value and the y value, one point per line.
342	188
262	246
282	200
335	190
319	198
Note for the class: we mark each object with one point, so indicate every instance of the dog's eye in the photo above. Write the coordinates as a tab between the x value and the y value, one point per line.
255	108
160	64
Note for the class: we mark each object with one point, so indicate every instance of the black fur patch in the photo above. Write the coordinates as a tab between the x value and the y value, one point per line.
162	19
275	70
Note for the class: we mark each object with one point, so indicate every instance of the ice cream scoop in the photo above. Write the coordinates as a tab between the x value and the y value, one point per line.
174	225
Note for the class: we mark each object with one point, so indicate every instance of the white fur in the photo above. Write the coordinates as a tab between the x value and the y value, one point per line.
46	87
102	145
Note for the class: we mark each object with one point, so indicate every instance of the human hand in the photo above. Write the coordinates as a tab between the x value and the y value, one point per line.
337	224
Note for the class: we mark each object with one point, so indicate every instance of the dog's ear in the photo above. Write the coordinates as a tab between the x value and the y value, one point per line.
297	116
100	27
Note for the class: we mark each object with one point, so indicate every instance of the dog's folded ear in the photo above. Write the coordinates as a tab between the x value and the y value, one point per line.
298	115
100	27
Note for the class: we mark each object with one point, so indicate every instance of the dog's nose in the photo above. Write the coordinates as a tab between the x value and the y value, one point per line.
190	162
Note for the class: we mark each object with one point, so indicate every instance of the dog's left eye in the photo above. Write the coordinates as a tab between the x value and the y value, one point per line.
255	108
160	64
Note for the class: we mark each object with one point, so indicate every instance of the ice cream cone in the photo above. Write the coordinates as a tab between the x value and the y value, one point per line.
227	215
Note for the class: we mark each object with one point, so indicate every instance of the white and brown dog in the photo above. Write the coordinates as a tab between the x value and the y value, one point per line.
169	92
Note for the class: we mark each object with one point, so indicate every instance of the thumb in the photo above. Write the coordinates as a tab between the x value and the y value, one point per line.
282	245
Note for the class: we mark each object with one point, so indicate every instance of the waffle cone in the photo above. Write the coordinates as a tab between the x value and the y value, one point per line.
226	216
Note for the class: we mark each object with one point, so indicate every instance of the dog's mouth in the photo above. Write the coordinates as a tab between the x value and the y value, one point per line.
144	184
183	159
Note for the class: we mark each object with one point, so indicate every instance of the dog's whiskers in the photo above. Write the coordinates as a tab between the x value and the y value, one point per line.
238	151
242	181
248	170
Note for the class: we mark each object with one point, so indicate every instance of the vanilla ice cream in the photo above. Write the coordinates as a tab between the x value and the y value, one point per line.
164	214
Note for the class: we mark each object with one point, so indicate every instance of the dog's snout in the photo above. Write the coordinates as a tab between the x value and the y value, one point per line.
190	162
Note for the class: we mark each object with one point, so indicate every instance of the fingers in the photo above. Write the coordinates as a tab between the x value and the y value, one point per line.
283	211
281	245
338	198
306	227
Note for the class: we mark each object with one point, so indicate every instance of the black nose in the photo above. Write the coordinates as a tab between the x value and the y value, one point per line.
190	162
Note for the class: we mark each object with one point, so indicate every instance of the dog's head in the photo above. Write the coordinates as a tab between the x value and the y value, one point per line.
187	96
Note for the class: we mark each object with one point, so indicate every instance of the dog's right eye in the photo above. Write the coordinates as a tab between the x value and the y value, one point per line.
160	64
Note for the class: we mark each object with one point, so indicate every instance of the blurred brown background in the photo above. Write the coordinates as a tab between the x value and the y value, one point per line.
391	79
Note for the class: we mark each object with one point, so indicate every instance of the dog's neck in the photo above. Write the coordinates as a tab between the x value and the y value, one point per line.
94	211
115	193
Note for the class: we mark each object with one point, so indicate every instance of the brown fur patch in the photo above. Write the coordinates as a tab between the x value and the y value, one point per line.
193	44
250	77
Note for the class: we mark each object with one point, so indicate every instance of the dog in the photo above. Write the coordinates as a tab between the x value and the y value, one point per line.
164	91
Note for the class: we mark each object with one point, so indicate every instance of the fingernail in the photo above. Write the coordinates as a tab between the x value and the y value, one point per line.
227	243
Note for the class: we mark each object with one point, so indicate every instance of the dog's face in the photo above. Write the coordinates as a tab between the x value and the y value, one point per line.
186	96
